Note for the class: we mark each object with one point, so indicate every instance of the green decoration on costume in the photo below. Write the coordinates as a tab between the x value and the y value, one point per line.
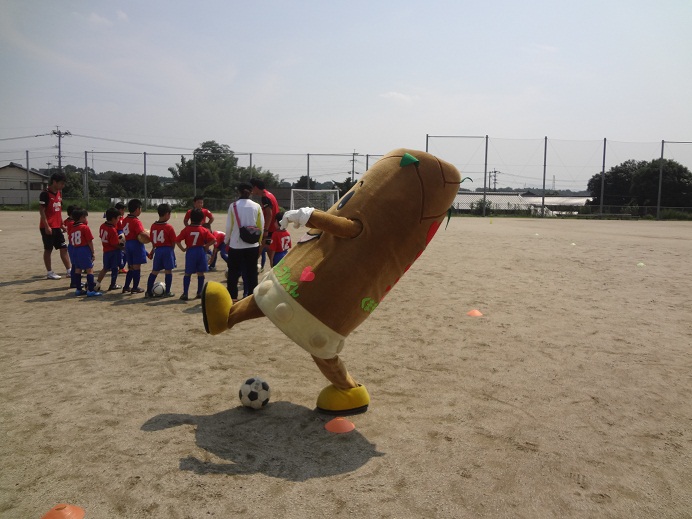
368	304
408	159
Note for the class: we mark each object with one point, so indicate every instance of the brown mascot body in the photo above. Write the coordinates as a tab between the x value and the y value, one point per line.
341	270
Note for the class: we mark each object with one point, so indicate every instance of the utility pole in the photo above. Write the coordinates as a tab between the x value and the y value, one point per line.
492	175
60	135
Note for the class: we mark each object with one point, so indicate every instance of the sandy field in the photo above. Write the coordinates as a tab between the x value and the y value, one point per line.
570	397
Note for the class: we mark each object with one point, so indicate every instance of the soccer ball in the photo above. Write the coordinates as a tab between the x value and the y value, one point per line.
159	288
254	393
121	239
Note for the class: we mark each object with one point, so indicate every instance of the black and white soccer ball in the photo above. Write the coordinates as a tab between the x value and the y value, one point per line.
254	393
158	289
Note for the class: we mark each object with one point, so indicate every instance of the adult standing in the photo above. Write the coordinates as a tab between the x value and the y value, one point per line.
270	208
198	203
51	224
242	256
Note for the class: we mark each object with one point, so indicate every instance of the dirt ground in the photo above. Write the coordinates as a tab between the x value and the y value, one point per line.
570	397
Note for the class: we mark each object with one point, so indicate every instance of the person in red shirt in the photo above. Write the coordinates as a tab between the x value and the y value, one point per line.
51	224
135	238
197	240
281	242
220	248
163	240
121	212
198	203
82	242
112	248
270	208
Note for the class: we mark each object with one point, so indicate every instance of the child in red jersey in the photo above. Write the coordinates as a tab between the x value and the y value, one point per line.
197	239
121	217
135	238
281	242
69	223
198	203
163	240
82	242
112	248
220	247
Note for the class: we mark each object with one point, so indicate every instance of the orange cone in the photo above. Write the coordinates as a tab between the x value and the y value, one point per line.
65	511
339	425
474	313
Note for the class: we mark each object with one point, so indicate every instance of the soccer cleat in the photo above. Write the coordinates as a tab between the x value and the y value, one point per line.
114	287
52	275
97	286
333	400
168	294
216	305
184	297
126	290
212	269
94	293
80	292
137	290
198	296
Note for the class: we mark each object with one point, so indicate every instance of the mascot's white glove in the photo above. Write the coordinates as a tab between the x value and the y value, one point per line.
297	216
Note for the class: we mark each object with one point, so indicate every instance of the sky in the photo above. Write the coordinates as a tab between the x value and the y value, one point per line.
282	79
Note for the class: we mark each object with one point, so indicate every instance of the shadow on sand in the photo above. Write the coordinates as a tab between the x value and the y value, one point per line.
284	440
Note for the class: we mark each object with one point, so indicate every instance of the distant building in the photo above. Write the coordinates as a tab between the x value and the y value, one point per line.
515	202
13	184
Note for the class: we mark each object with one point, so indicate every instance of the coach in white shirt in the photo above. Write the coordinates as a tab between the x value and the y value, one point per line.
242	256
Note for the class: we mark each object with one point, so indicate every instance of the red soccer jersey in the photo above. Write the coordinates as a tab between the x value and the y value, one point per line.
195	236
207	214
132	227
270	200
162	234
80	236
109	237
281	241
52	205
219	237
69	224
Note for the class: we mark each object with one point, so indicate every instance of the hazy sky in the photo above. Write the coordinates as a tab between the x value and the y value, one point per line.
337	76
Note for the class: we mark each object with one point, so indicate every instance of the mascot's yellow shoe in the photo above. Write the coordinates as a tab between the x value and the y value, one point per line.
333	400
216	304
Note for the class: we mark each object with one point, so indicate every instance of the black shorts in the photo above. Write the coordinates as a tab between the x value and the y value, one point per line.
55	240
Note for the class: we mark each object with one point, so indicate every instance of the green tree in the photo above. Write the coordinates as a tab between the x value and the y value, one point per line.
344	186
617	184
213	166
303	183
676	189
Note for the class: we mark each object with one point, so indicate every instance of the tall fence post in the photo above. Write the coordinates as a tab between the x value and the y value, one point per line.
660	183
194	174
85	180
485	172
308	171
28	185
545	168
603	175
145	180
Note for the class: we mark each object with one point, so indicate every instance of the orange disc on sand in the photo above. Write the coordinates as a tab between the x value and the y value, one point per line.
64	511
474	313
339	425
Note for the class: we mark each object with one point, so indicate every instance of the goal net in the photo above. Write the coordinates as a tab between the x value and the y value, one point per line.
321	199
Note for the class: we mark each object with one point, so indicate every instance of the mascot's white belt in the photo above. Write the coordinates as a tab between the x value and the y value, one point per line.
296	322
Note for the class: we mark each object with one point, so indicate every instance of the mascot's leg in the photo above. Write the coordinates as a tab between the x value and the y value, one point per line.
219	312
344	395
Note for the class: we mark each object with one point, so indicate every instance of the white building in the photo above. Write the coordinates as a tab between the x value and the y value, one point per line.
17	184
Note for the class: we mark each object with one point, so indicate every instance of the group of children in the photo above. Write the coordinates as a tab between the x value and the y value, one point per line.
123	238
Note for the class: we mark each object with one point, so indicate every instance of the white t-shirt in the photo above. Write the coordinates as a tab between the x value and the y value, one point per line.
249	213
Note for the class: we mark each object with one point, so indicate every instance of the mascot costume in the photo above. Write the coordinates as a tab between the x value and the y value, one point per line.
340	271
